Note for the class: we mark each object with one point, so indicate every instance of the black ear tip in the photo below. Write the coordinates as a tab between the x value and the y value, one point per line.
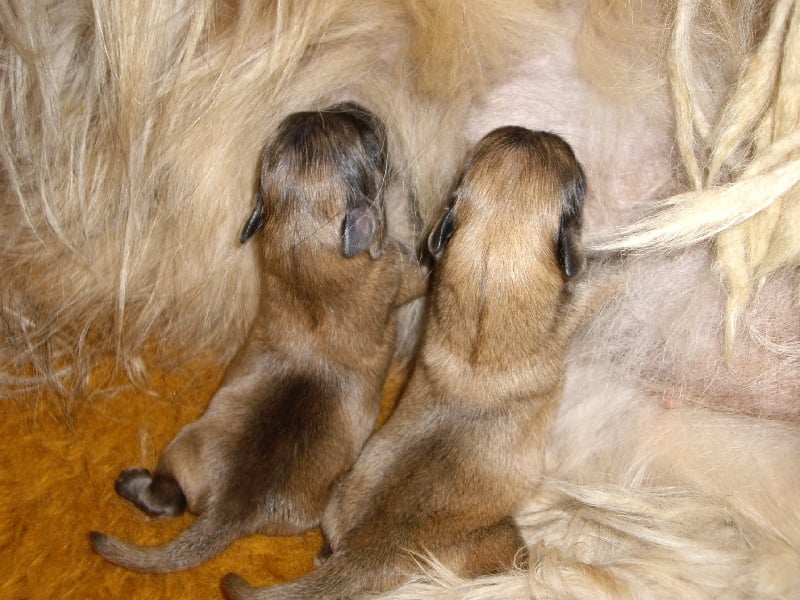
254	223
570	249
441	234
572	265
570	244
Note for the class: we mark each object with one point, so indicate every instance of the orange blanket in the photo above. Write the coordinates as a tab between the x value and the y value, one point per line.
57	484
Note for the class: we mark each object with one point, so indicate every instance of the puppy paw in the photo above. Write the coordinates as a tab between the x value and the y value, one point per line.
157	495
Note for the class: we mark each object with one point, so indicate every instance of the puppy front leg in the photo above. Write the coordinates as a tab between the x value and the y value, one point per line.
413	279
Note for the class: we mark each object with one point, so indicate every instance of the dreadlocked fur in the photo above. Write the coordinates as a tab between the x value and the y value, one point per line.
129	145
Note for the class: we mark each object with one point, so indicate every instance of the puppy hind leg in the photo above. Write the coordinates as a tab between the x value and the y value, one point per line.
374	568
492	550
158	495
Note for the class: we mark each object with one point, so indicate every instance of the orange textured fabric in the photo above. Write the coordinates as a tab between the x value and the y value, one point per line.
57	484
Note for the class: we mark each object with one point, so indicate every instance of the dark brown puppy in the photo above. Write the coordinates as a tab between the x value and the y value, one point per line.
458	458
303	394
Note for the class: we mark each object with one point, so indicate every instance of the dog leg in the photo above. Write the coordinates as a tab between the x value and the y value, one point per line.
158	495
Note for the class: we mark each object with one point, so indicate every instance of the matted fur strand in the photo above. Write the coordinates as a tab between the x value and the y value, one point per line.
744	167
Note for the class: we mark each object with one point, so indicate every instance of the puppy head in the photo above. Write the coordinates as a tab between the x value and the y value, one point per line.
322	180
519	190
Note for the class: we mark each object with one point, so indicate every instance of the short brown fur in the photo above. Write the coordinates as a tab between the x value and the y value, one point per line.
302	395
464	448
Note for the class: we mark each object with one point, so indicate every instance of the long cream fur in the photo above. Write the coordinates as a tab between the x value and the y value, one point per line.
129	138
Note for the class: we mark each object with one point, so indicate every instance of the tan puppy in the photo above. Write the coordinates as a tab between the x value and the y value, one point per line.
301	397
463	449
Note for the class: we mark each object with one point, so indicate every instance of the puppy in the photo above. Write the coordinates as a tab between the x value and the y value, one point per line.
301	397
463	450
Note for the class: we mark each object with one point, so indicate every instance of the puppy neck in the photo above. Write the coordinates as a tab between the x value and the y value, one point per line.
495	334
495	306
315	284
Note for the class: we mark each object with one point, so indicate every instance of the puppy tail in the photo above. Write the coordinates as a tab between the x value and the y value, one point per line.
202	541
236	588
336	579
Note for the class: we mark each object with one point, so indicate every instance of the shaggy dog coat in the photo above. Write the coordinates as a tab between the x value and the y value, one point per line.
129	139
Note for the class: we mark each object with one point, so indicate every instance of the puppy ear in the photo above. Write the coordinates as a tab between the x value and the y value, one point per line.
570	245
360	231
255	222
363	169
441	234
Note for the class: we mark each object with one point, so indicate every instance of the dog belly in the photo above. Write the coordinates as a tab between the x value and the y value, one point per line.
623	146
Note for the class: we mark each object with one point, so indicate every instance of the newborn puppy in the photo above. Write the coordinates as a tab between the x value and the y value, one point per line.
446	474
303	394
